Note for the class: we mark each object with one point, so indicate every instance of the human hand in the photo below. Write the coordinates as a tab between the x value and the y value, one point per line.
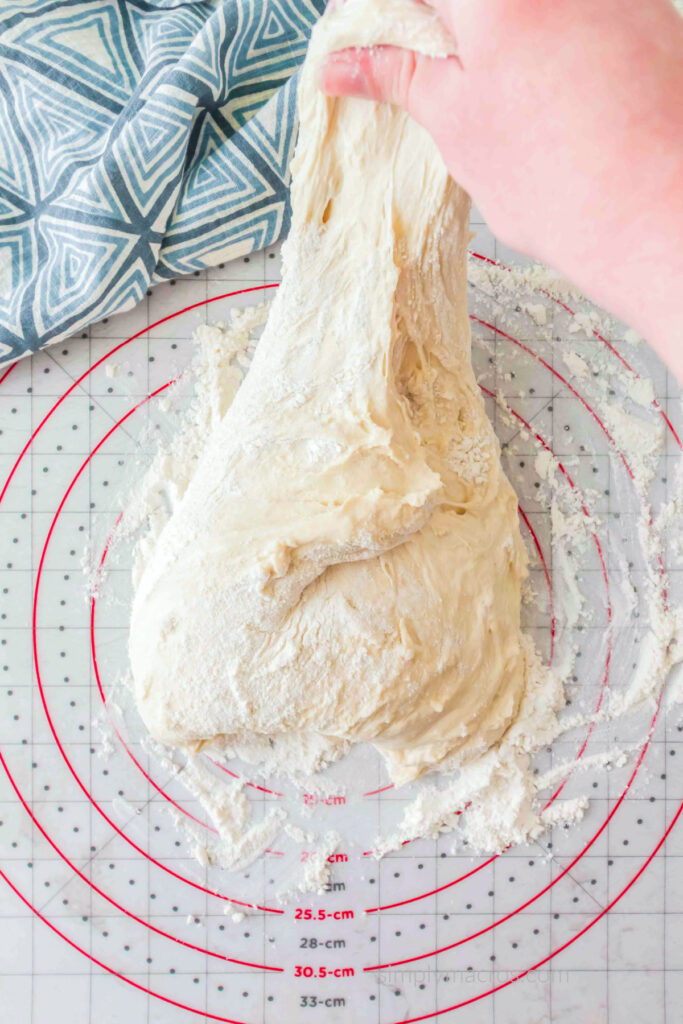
564	121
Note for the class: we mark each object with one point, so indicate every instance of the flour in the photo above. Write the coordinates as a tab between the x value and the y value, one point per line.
634	434
538	312
123	809
239	839
315	873
575	364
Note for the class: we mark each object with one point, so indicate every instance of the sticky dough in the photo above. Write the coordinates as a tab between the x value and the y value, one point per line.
346	562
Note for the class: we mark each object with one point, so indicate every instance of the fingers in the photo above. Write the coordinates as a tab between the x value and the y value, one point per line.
392	75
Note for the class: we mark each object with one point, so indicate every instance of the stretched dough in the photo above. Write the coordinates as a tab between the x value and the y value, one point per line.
346	562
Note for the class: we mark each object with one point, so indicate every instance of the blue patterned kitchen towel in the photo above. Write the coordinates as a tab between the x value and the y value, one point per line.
139	140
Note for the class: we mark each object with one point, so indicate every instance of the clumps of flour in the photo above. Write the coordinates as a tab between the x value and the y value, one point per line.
236	839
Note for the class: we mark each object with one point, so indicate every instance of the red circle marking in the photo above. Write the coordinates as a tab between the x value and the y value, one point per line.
110	970
539	551
6	768
605	577
382	789
110	899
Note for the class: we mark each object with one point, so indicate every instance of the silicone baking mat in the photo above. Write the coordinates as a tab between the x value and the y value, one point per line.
105	916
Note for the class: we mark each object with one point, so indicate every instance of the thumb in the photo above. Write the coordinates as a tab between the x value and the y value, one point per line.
393	75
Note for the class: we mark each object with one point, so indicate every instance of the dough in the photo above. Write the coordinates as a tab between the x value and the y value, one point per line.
346	563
